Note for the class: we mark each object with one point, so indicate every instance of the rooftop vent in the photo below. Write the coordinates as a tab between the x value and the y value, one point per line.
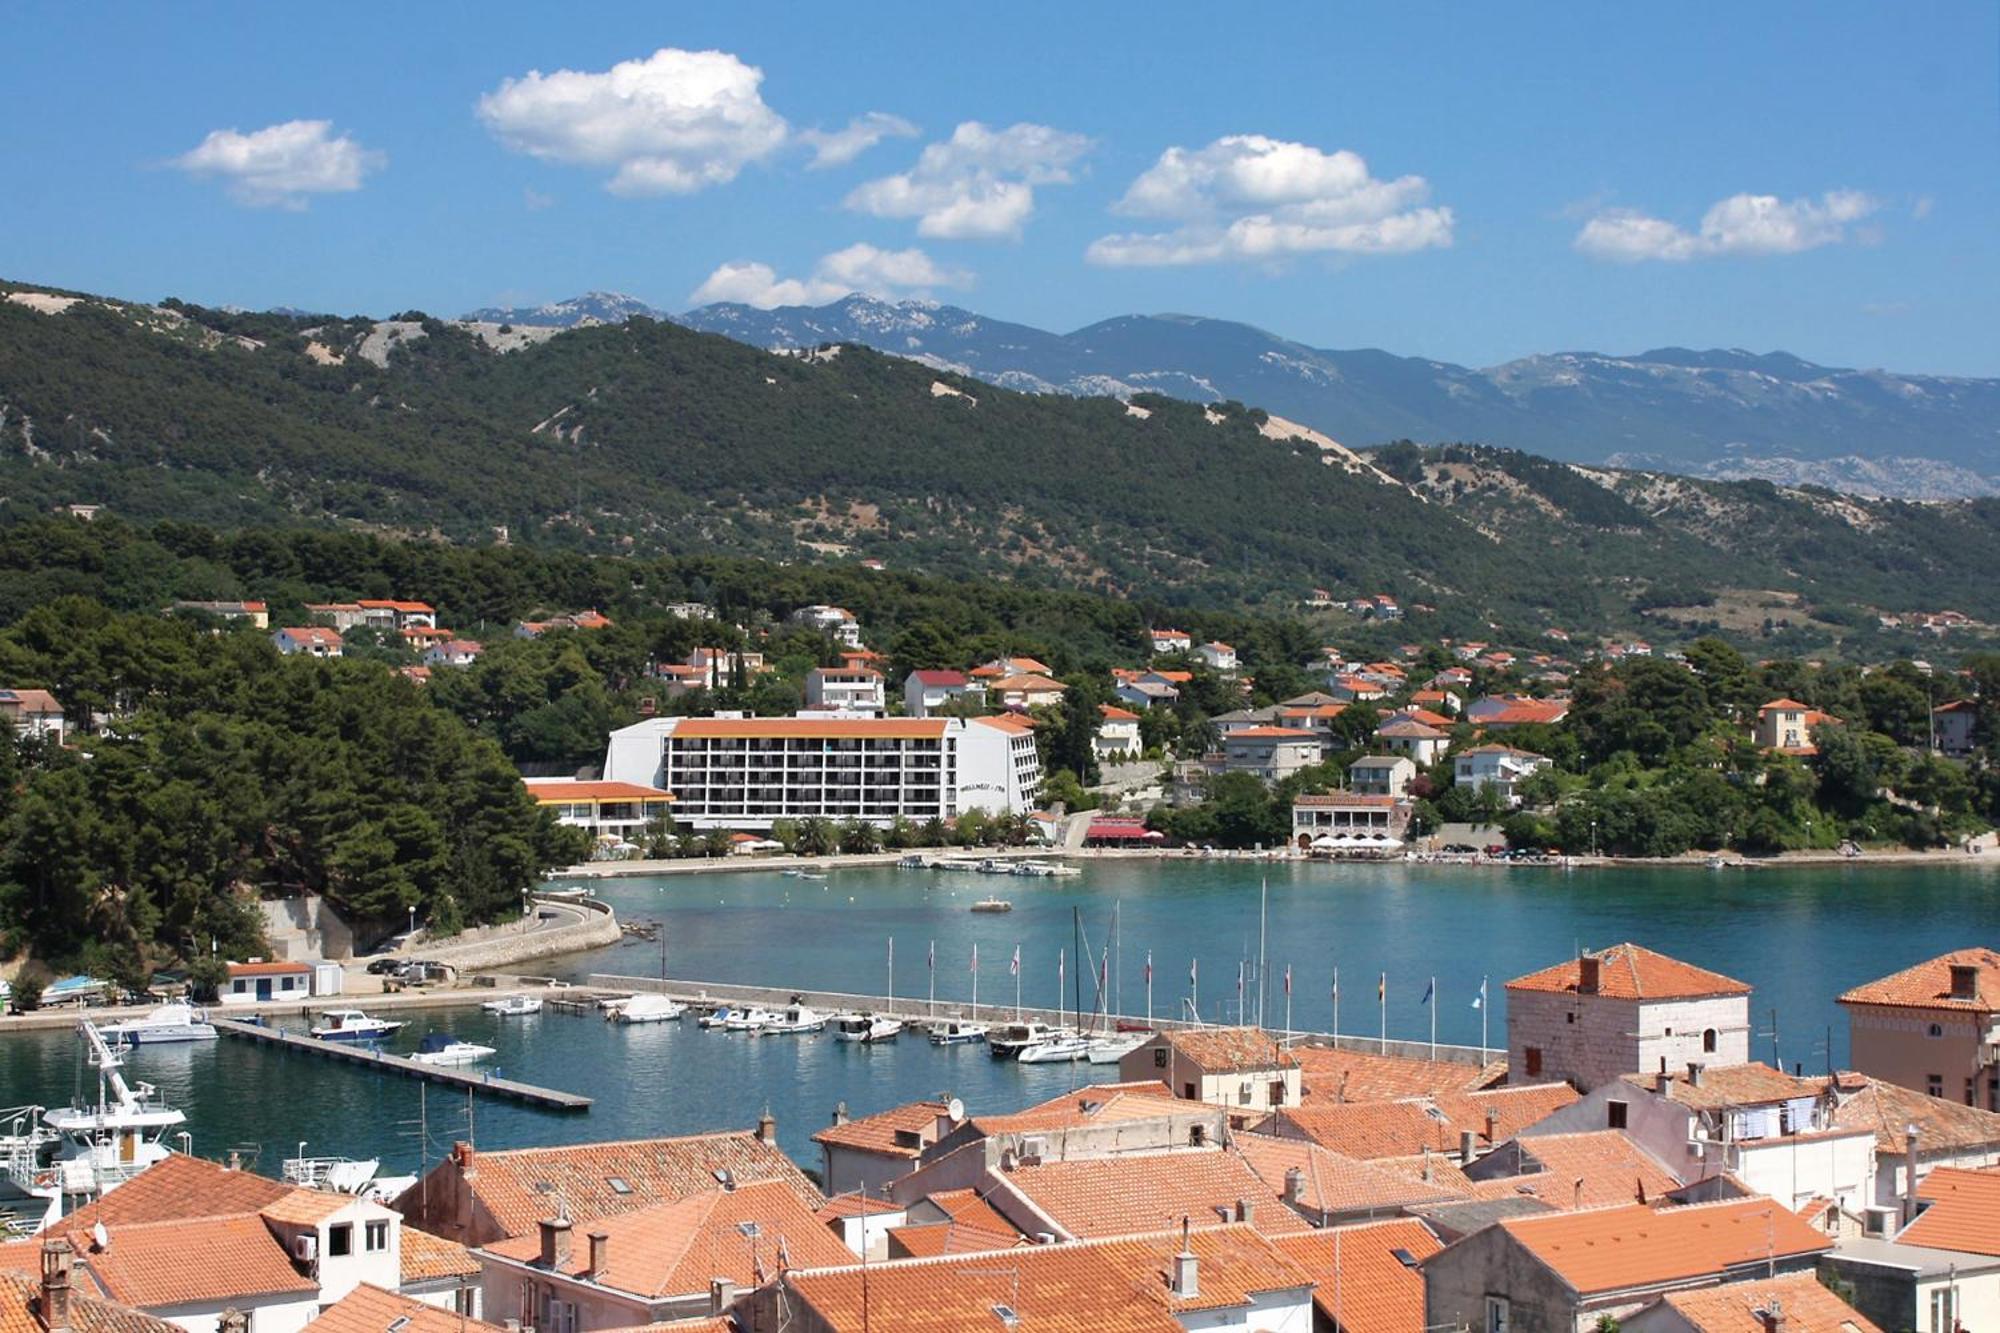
1007	1315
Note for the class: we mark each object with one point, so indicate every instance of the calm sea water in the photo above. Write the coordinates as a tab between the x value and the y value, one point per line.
1799	936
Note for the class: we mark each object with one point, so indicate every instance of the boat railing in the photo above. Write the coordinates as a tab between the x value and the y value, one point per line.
313	1172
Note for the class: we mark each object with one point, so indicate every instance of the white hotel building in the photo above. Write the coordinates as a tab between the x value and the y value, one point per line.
744	773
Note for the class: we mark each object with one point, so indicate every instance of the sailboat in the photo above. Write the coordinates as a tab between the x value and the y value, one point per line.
1110	1045
1061	1045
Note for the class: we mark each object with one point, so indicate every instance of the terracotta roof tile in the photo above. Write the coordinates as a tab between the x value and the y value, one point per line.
1358	1076
1230	1050
1585	1170
1928	984
1735	1307
900	1131
428	1258
1964	1212
548	791
1942	1125
1598	1250
180	1187
1406	1128
21	1301
1331	1183
967	1209
179	1262
1725	1086
1362	1285
1632	972
1139	1192
1097	1103
370	1309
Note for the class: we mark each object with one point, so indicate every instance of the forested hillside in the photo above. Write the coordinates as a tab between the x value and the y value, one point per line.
649	438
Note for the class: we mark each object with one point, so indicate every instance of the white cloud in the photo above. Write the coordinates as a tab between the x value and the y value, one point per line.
861	267
673	123
1250	197
1743	224
282	166
977	185
836	148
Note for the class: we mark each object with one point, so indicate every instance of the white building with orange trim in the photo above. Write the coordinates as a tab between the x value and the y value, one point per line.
614	809
746	773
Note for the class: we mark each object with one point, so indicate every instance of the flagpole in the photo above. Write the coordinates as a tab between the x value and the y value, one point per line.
892	969
1288	1001
1117	967
1263	919
1194	988
1149	988
930	1001
1434	1019
1482	1018
975	982
1382	1002
1336	1008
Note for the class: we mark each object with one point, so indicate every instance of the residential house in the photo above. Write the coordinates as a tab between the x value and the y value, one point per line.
1323	820
1142	693
1271	754
1796	1303
33	714
1244	1069
676	1259
835	621
1443	1127
1786	725
616	810
1496	768
1424	745
46	1299
1218	656
1587	1169
1437	701
341	616
1499	712
1382	774
1379	1289
1242	719
1338	1074
576	620
1170	641
928	692
419	638
849	689
388	614
1934	1027
1001	667
1330	1190
871	1153
1347	687
1954	724
1082	1198
950	1222
440	1273
1095	1121
1219	1279
260	981
258	614
1564	1272
372	1309
476	1198
1599	1016
1117	733
1942	1270
312	640
1318	718
1028	691
1915	1134
718	667
453	653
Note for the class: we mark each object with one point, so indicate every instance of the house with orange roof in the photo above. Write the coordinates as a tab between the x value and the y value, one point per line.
439	1272
32	714
1136	1192
1563	1272
395	613
1795	1303
836	622
1445	1126
453	652
677	1259
372	1309
576	620
952	1222
307	641
1170	641
1244	1069
1786	725
1217	656
1933	1027
1498	712
48	1299
1228	1279
871	1153
1270	754
1594	1018
618	810
927	692
1117	734
1379	1289
1915	1134
1329	1189
1029	690
1335	1074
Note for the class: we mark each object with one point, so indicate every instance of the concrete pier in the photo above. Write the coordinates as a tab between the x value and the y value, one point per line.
357	1053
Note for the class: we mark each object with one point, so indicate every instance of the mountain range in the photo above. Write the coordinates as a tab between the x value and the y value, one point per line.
1716	413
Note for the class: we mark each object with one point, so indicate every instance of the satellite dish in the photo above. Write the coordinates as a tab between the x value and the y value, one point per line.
955	1109
100	1236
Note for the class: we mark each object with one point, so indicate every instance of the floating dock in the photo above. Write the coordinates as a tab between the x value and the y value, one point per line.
356	1053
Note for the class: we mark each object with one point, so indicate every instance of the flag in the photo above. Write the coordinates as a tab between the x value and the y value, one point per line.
930	959
1428	990
1382	987
1288	978
1239	978
1149	967
1014	968
1194	970
975	958
1479	1000
1336	983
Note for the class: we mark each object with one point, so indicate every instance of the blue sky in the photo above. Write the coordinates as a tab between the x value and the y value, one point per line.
1469	183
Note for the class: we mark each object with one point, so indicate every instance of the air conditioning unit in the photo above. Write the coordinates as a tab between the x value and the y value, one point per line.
306	1248
1033	1147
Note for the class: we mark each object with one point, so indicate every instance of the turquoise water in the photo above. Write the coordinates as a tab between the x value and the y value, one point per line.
1799	936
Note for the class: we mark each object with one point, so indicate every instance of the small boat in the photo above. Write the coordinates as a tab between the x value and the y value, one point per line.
717	1018
1110	1050
1060	1048
993	905
804	874
751	1019
441	1048
914	861
797	1018
866	1028
513	1005
649	1009
352	1025
1005	1043
956	1032
179	1021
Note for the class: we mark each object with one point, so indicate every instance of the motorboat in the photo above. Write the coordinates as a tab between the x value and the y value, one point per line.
866	1028
804	874
1109	1050
514	1005
649	1009
609	1004
991	904
1060	1047
103	1146
352	1025
751	1019
718	1017
957	1032
1008	1041
178	1021
797	1018
441	1048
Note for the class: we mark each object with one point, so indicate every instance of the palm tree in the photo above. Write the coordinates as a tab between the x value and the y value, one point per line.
817	836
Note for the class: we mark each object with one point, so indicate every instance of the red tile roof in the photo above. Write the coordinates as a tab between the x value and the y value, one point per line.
1584	1170
1333	1184
1964	1212
185	1262
1724	1086
1597	1250
370	1309
1363	1285
428	1258
1928	984
1335	1075
267	969
21	1304
889	1133
1942	1125
1631	972
1098	1103
1229	1050
1738	1307
1137	1192
180	1187
550	791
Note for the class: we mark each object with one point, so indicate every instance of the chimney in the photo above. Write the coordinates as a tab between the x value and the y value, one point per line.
1587	975
1492	1125
1662	1080
1246	1211
1187	1269
1694	1074
600	1252
235	1160
840	1113
721	1295
1771	1315
555	1242
1576	1194
1468	1145
767	1129
232	1320
1909	1173
1295	1185
1964	982
57	1257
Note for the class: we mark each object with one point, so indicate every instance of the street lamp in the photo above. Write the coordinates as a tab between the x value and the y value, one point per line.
1593	839
411	938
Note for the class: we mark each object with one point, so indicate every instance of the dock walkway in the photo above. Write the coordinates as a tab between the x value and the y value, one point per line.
551	1099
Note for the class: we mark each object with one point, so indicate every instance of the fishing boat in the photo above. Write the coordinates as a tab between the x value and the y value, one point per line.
1060	1047
649	1009
441	1048
1109	1050
797	1018
751	1019
352	1025
718	1017
178	1021
1009	1040
956	1032
514	1005
991	904
866	1028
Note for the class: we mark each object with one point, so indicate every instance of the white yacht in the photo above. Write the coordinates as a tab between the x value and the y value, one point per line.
1008	1041
105	1145
441	1048
717	1017
1059	1047
866	1028
1112	1047
179	1021
797	1018
514	1005
957	1032
649	1009
751	1019
352	1025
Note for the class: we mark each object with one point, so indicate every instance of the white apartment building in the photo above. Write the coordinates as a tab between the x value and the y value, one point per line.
744	773
835	620
927	692
1501	767
852	689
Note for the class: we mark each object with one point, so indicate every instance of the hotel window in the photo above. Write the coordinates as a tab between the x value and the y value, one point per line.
375	1237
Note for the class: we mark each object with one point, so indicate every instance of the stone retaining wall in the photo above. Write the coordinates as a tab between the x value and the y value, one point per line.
598	928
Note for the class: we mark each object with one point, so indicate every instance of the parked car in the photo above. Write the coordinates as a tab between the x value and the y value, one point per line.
381	967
